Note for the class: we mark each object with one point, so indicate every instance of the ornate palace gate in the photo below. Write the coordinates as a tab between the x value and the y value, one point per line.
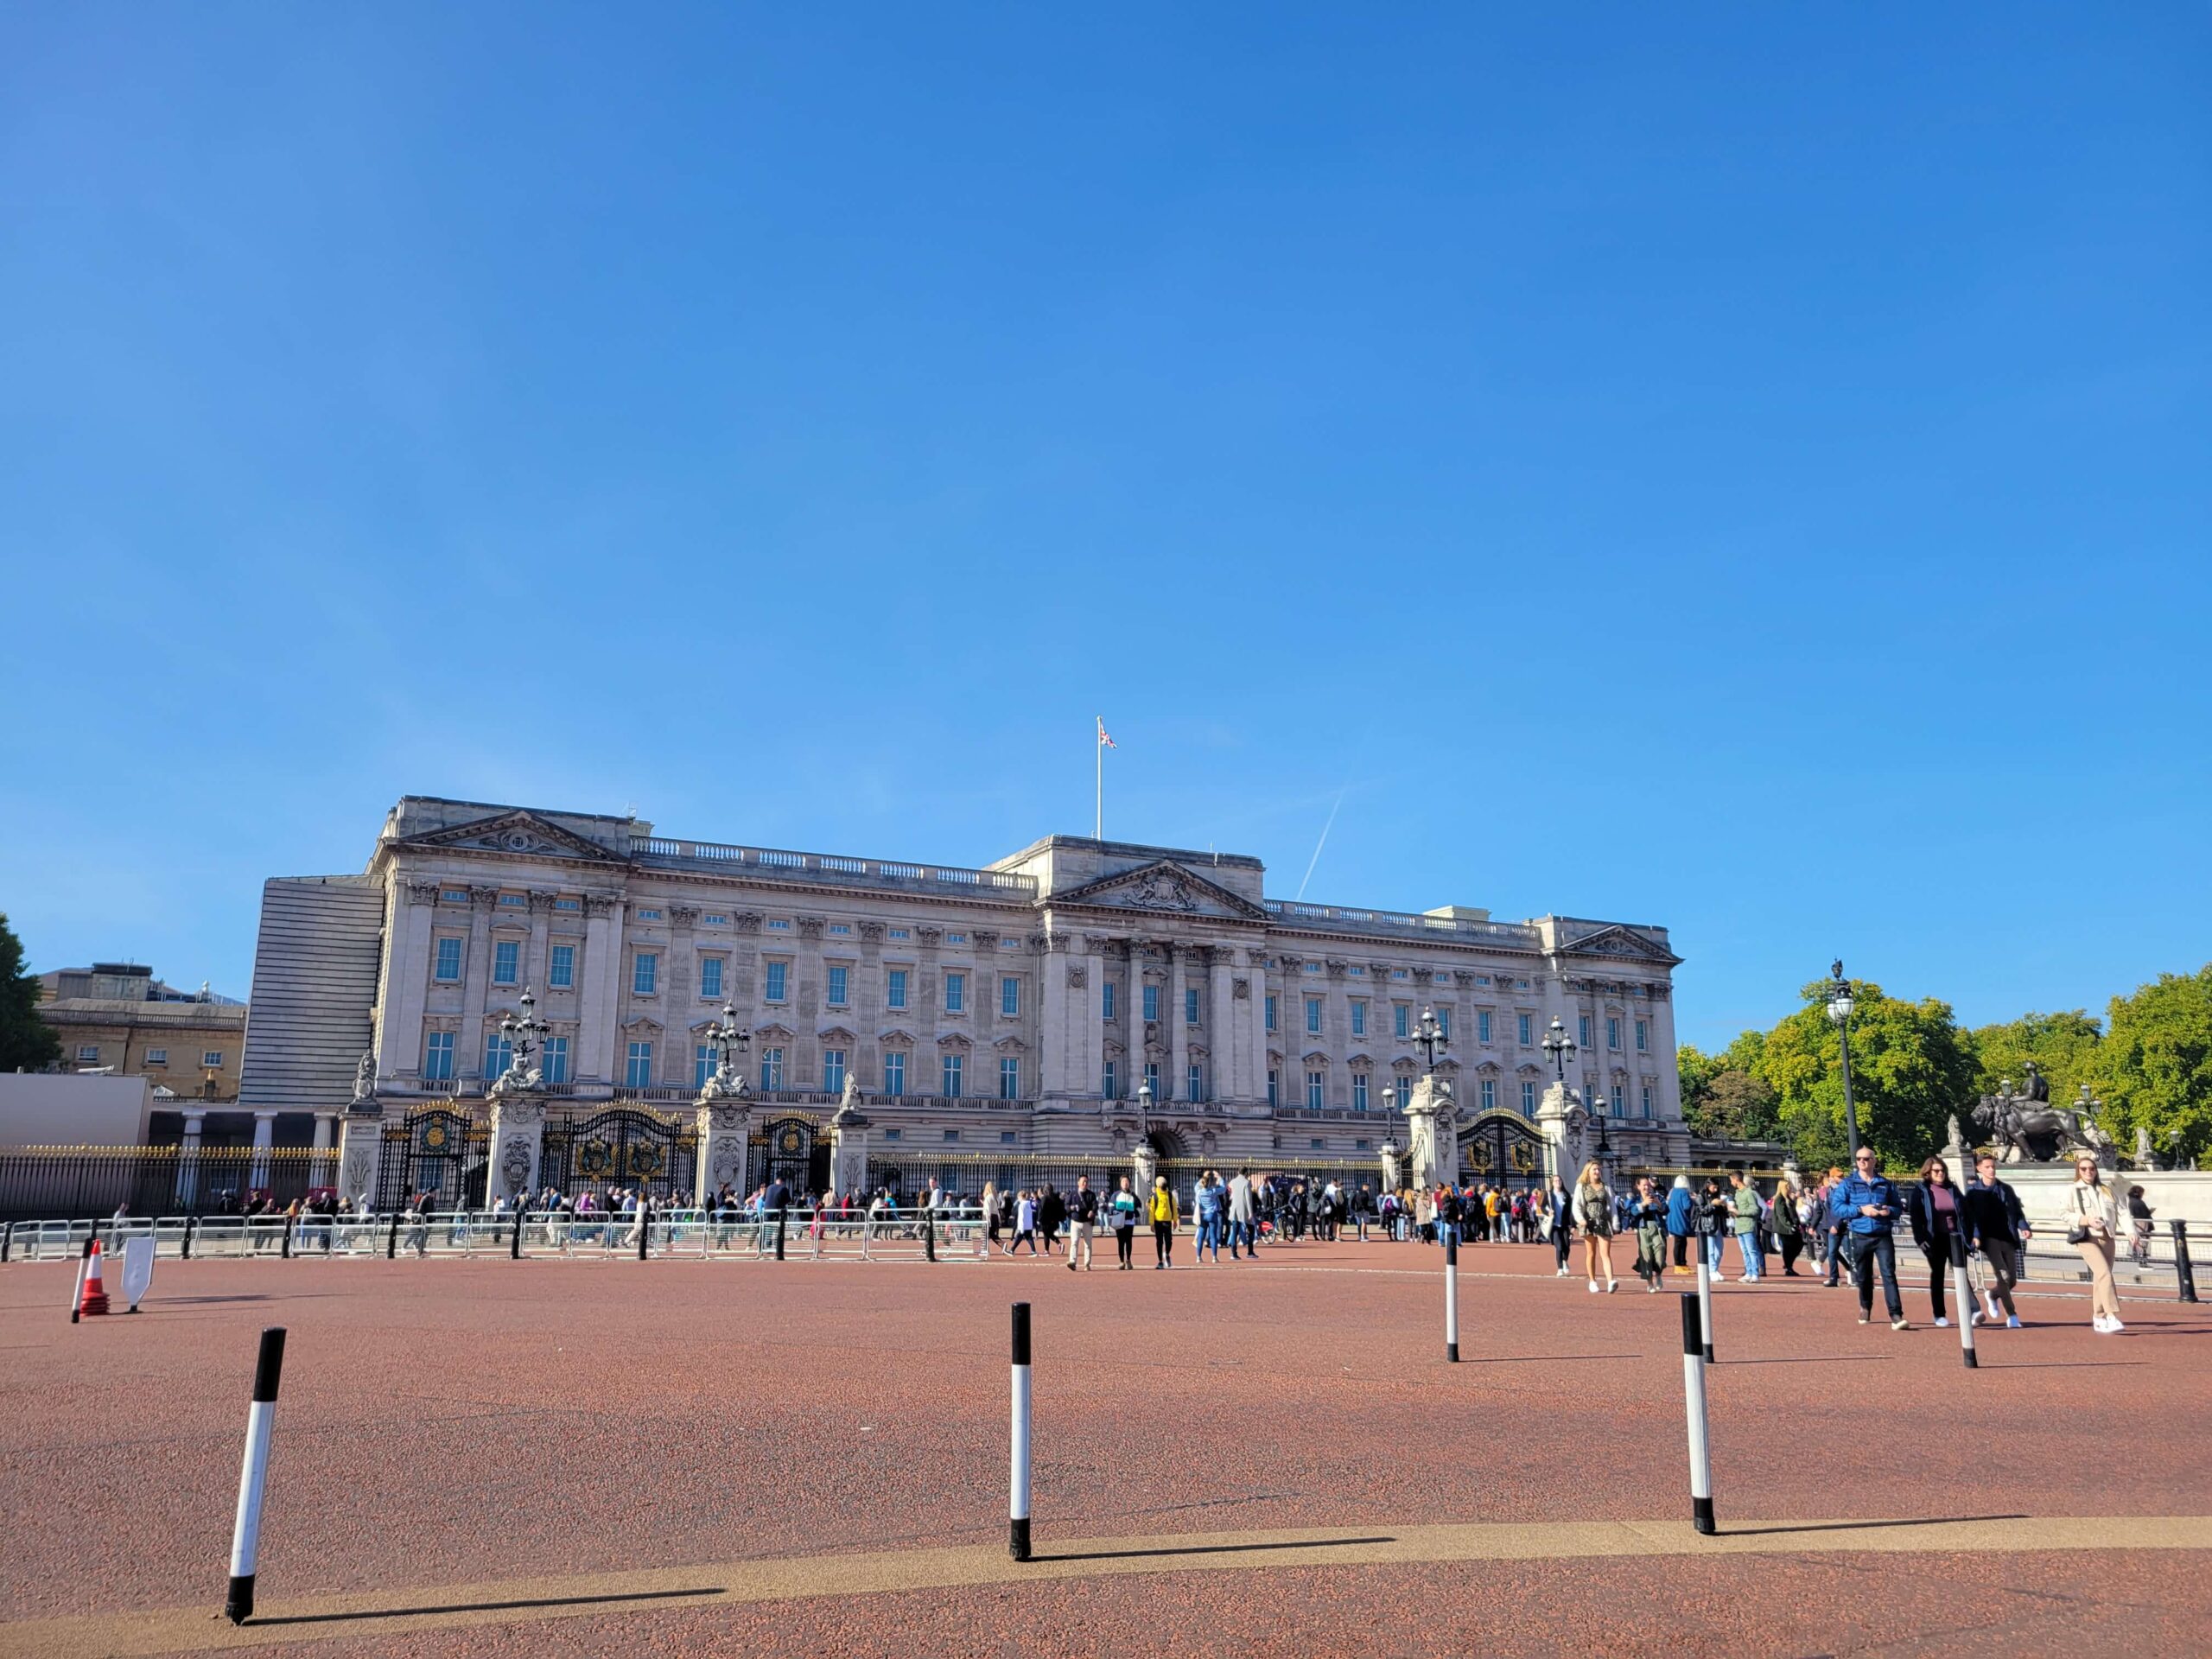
441	1152
620	1147
792	1150
1502	1149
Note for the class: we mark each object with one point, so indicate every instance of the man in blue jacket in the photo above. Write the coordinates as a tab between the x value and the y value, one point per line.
1868	1203
1681	1206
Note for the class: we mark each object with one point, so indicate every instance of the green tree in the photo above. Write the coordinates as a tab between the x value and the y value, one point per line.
2062	1045
26	1040
1695	1068
2154	1069
1912	1068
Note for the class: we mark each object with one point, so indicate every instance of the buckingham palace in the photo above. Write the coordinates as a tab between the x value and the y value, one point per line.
1076	998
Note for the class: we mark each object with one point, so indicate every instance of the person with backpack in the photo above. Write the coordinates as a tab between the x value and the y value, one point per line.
1594	1216
1782	1221
1122	1211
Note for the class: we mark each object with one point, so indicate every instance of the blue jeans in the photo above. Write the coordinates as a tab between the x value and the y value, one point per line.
1714	1243
1869	1251
1209	1234
1240	1232
1747	1246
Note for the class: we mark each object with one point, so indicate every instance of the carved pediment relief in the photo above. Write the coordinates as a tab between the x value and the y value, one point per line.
774	1028
1166	887
641	1022
953	1039
895	1035
836	1034
1622	942
517	831
1011	1045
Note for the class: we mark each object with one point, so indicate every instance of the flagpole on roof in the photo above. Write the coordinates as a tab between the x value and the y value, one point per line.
1098	819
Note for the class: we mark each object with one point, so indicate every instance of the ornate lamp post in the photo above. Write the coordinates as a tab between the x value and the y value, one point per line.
729	1040
1840	1007
1429	1038
523	1034
1559	1046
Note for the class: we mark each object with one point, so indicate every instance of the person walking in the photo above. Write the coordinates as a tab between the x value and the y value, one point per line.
1593	1214
1837	1225
1240	1215
1083	1221
1209	1207
2091	1228
2139	1215
1163	1222
1743	1218
1868	1201
1558	1211
1787	1226
1025	1223
1998	1228
994	1219
1052	1210
1936	1214
1122	1211
1681	1221
1650	1234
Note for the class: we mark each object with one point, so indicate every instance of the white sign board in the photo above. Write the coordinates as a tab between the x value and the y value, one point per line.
138	1269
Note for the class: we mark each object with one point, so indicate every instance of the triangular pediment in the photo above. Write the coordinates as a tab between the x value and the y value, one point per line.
1622	942
1166	888
520	831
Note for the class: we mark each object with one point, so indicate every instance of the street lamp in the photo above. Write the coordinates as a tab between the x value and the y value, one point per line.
1429	1038
727	1039
1840	1005
1559	1046
523	1033
1144	1098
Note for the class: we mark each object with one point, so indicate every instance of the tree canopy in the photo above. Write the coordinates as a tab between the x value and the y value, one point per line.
26	1040
2062	1045
2153	1070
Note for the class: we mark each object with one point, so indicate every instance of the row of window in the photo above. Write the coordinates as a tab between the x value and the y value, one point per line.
89	1054
1401	1024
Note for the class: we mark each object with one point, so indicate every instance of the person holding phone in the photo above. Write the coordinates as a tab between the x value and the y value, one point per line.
1868	1203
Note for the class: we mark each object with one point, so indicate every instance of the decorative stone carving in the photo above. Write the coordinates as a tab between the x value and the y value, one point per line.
746	921
1240	988
1078	978
1337	966
600	904
930	938
1379	971
483	898
871	932
683	915
1097	943
809	927
986	938
1160	889
365	1076
1292	964
516	1159
1463	977
541	900
423	893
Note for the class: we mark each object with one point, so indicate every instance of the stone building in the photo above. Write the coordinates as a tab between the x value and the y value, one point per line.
1016	1007
117	1017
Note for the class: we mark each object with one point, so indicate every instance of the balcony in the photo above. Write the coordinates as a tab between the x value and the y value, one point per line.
771	864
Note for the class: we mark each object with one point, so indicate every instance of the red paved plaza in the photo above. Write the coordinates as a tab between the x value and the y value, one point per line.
593	1457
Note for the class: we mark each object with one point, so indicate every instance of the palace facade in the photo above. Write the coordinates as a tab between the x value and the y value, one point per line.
1014	1006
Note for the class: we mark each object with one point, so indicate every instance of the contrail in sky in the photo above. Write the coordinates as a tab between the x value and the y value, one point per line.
1324	842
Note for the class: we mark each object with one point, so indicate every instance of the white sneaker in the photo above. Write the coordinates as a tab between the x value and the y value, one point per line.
1593	1287
2013	1322
2097	1323
1995	1311
1719	1278
2114	1326
1975	1317
1944	1325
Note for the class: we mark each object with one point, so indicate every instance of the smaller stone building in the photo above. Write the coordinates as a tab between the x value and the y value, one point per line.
117	1018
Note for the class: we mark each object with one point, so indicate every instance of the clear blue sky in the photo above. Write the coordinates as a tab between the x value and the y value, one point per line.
1742	468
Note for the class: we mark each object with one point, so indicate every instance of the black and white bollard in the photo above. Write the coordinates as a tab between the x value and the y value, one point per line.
1962	1293
1694	1393
514	1242
77	1290
2184	1269
1017	1507
1705	1301
1452	1297
245	1535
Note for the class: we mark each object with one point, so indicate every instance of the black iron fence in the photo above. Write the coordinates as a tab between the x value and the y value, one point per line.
36	1181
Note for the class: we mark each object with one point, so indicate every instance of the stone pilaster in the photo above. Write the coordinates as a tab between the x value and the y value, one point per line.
188	1162
517	1134
360	1153
725	1127
1174	1085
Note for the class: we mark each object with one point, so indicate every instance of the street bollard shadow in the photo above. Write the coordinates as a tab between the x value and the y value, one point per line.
2055	1364
1209	1549
486	1606
1868	1526
1548	1359
1813	1359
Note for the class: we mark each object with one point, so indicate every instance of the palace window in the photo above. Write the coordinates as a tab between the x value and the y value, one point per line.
956	993
1317	1144
1273	1086
833	1069
1647	1100
1525	1021
839	978
1527	1099
842	929
1401	1020
772	1068
578	904
894	1073
1271	1010
638	1073
956	938
779	923
1316	1086
448	968
1313	1016
1006	1137
897	933
454	896
88	1052
1359	1091
1612	1032
498	1055
891	1134
1620	1101
1110	1081
1194	1080
1643	1036
212	1057
710	976
715	919
555	1065
1009	997
703	1064
952	1066
1490	1094
951	1135
561	969
778	987
649	915
1151	1077
1009	1078
894	989
1582	1030
1189	1005
1482	1026
1359	1019
506	962
438	1058
154	1056
1106	998
644	974
1152	1001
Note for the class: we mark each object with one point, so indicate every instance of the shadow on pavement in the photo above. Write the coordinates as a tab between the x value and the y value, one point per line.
1210	1549
485	1606
1867	1526
1812	1359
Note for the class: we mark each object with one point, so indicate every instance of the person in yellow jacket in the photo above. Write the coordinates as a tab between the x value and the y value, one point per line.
1163	1222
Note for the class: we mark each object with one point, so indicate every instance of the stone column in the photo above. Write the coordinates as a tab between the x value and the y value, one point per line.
1392	1174
1667	1107
264	1137
541	928
360	1153
1221	1026
848	1130
1091	1017
188	1161
407	979
1431	1133
517	1135
1055	1045
725	1126
326	1129
476	988
595	1013
1254	1017
1173	1086
1563	1121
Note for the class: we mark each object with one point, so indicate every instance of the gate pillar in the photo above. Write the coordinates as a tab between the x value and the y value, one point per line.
1564	1122
360	1153
517	1135
725	1126
1434	1138
849	1128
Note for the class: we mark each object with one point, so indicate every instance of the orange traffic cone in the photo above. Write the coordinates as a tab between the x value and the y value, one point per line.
95	1297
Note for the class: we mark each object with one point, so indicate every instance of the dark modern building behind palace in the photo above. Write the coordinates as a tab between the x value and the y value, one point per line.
1017	1005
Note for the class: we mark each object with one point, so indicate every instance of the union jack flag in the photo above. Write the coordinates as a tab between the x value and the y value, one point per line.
1104	742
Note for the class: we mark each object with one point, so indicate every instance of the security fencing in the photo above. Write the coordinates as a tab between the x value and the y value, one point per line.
149	1180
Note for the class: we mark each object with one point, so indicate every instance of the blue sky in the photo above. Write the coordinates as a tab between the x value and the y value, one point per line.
1743	469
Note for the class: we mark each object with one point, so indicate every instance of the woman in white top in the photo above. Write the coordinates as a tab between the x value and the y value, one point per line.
1594	1216
2091	1227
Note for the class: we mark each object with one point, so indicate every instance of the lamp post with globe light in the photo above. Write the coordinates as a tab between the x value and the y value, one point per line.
1840	1005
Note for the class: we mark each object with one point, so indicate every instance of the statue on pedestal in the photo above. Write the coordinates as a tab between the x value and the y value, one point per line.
2027	1130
